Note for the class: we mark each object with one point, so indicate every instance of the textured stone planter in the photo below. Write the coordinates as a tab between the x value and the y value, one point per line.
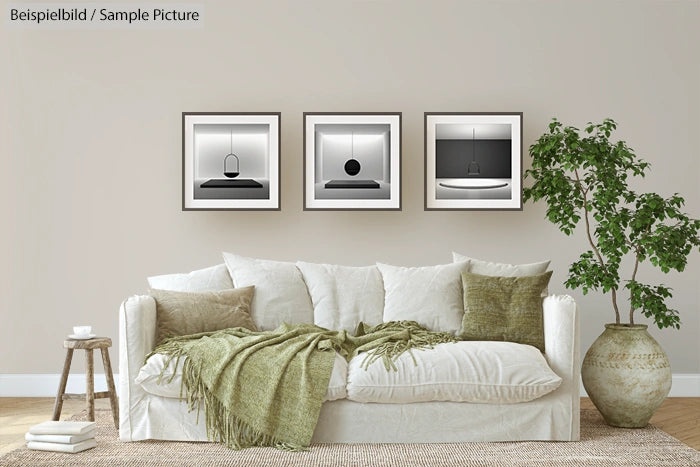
627	375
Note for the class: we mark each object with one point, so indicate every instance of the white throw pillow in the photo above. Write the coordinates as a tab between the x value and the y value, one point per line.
150	374
280	292
468	371
487	268
343	296
212	279
431	296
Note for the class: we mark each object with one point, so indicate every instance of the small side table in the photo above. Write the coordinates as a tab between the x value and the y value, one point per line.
88	345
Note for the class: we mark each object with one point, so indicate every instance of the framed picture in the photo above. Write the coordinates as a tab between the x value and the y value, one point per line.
352	161
473	161
230	161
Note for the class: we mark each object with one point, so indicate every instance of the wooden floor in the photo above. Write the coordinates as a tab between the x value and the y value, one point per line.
679	417
17	414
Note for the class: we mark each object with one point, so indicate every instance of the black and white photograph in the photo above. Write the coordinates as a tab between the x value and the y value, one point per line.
231	161
352	161
473	161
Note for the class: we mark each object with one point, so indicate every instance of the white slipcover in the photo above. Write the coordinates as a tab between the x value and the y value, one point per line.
554	416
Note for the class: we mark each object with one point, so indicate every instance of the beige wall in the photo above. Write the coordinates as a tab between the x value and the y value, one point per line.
90	142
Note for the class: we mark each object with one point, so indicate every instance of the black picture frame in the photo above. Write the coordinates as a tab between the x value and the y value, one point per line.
216	175
455	178
352	161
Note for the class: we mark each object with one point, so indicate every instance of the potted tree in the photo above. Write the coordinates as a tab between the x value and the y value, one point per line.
583	176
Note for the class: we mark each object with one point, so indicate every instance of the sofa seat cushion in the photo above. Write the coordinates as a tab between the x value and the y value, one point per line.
149	374
474	371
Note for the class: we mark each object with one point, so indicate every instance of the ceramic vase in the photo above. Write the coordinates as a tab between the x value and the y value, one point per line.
627	375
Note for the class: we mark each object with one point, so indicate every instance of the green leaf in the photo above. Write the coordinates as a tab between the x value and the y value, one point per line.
584	176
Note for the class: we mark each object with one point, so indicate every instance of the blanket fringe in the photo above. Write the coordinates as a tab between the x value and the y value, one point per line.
418	338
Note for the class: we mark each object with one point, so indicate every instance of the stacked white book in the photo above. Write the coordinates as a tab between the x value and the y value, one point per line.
62	436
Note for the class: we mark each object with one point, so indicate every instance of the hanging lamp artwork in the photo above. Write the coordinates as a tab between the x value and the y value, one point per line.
483	174
230	170
231	161
473	167
352	166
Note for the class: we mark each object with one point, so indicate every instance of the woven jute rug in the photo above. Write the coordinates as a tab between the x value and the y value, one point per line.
600	445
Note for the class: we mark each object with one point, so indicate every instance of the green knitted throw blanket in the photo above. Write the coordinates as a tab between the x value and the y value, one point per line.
266	388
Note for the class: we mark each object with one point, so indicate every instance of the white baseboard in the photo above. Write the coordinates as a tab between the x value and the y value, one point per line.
682	385
46	385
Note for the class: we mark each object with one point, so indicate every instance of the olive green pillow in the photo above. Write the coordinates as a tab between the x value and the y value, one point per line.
504	308
182	313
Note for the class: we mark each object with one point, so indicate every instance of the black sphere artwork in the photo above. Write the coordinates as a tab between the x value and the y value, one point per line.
352	167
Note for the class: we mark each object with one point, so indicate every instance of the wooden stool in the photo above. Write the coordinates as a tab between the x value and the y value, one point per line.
88	345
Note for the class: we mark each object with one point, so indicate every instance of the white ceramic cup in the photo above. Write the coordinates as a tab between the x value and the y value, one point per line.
82	331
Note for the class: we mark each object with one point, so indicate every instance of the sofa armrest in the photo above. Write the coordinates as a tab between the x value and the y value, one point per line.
137	335
562	347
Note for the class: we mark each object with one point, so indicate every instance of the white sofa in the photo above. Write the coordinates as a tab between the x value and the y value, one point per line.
554	416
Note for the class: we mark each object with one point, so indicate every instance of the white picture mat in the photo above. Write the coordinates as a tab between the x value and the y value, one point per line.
394	201
189	166
433	203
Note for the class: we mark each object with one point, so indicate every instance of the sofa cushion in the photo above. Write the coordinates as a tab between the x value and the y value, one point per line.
482	372
210	279
488	268
182	313
343	296
150	374
280	292
504	308
431	296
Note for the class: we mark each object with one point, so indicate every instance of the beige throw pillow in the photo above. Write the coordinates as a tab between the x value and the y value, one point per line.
504	308
182	313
